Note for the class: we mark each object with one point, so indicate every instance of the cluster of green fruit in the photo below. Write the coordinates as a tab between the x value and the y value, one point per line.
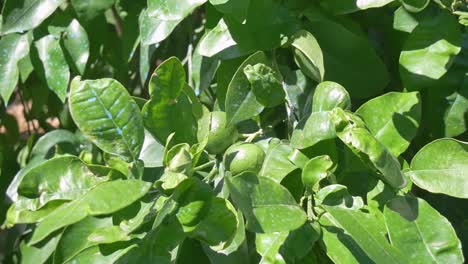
238	156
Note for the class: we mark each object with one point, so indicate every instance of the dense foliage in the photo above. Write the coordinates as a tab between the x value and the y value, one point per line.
234	131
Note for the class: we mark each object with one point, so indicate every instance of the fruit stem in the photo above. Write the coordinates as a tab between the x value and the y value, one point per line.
204	166
250	137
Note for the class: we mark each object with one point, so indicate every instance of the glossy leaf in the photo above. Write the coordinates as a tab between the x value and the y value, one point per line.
267	206
241	103
56	71
219	224
171	10
107	115
157	245
370	150
365	232
75	238
442	167
276	164
153	29
22	15
396	120
152	151
62	178
45	145
410	222
265	84
76	43
415	5
168	80
218	41
39	254
318	127
455	121
93	203
13	47
427	56
164	117
308	55
315	170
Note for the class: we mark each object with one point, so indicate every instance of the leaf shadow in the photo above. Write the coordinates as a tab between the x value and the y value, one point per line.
406	206
349	243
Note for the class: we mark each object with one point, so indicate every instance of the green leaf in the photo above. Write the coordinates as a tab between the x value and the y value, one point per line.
411	228
98	201
266	31
39	253
62	178
415	5
308	55
108	116
315	170
241	103
162	16
329	95
218	41
75	238
46	145
76	43
153	29
152	152
276	164
234	8
368	148
96	255
266	84
364	230
442	167
172	10
404	20
168	80
163	117
23	15
157	245
267	206
268	246
318	127
349	58
87	10
13	48
454	119
17	215
393	119
429	50
219	224
349	6
56	71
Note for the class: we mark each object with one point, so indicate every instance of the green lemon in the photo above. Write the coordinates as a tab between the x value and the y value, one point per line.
244	157
221	136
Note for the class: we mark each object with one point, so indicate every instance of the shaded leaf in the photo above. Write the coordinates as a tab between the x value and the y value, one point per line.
267	206
393	119
410	223
308	55
56	71
76	43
